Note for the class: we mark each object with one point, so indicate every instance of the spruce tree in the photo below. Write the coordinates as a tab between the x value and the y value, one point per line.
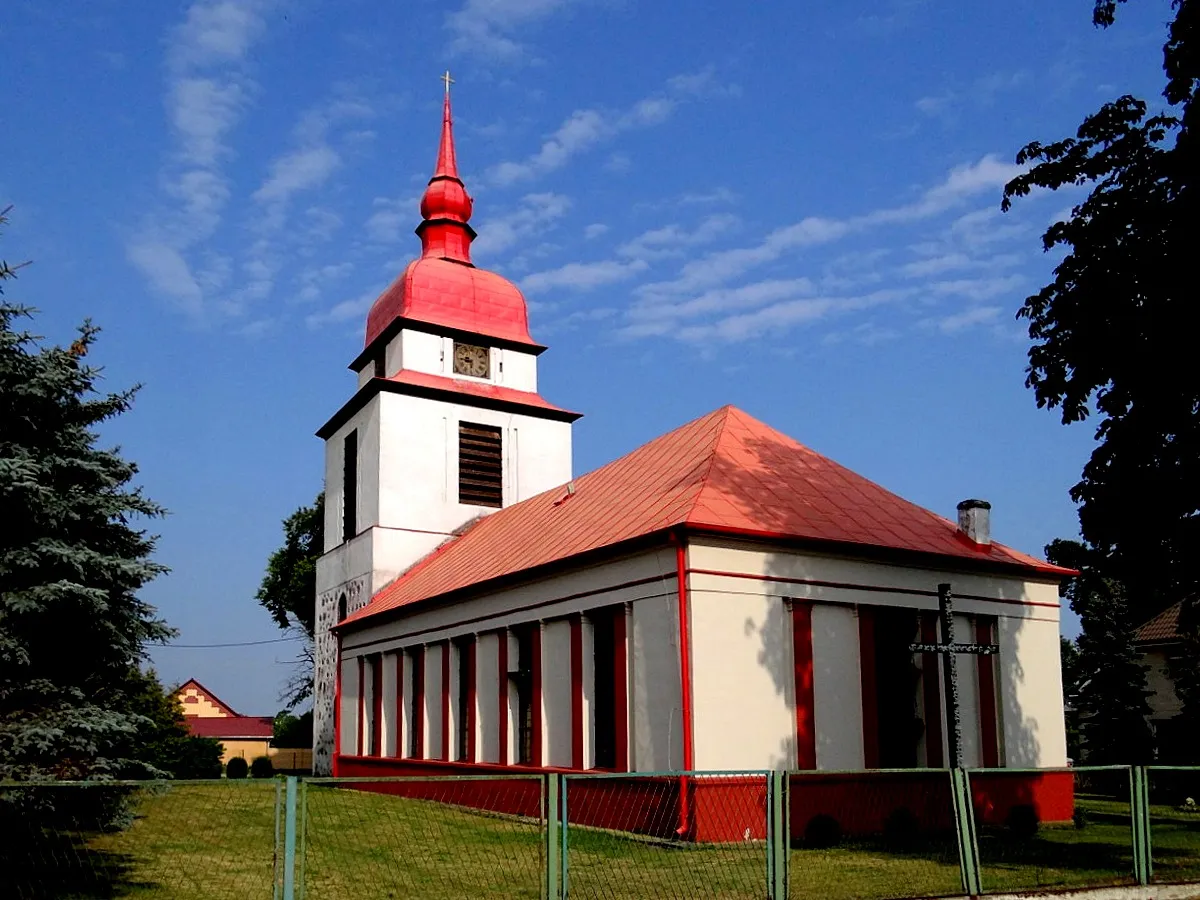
1110	681
72	628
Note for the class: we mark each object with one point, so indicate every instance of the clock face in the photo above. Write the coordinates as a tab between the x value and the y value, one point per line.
471	360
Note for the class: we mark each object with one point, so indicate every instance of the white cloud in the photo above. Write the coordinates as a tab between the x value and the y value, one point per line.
980	315
703	84
670	240
535	214
297	171
352	310
583	276
216	32
202	111
485	27
168	273
663	317
595	230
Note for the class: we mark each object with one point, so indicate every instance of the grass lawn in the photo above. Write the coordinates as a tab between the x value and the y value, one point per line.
216	842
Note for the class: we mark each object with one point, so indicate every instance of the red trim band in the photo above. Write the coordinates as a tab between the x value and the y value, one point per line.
876	588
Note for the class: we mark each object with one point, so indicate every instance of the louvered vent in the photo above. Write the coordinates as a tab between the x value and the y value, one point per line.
480	472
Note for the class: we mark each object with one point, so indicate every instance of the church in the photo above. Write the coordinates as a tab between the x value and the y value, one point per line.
721	598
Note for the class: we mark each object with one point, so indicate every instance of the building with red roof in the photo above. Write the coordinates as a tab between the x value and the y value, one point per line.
208	716
722	597
1161	643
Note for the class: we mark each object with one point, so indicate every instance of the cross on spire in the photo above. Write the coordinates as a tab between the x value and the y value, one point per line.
448	80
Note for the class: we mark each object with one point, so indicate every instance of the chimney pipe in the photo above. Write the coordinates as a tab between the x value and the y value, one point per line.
974	521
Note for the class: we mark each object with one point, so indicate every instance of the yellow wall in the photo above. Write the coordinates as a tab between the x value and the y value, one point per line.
247	750
202	707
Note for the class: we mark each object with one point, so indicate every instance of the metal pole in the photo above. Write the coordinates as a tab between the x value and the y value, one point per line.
278	817
950	677
289	842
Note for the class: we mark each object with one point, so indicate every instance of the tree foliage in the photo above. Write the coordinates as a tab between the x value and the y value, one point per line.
1113	326
72	628
1104	679
288	589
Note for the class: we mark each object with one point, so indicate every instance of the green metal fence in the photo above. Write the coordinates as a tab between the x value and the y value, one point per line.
867	834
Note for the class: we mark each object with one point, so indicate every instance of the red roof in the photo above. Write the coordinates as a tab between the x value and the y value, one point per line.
232	728
726	473
1163	627
443	287
482	389
453	295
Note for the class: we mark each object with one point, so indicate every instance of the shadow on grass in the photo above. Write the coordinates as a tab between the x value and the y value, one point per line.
59	866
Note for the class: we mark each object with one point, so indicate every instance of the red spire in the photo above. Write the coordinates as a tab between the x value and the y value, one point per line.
446	206
447	166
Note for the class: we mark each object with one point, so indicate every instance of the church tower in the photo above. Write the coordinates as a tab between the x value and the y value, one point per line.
446	424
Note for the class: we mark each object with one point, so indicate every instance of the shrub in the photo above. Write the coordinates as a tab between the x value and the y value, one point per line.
1081	817
261	767
236	768
900	828
1023	821
822	831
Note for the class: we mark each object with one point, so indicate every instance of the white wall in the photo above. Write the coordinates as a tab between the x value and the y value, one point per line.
968	695
556	693
350	708
1164	701
1031	690
487	697
588	648
657	733
742	682
837	688
433	701
390	705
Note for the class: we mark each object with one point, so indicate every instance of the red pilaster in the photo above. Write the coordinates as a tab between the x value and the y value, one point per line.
502	722
988	732
446	700
870	697
621	690
577	691
931	691
802	651
685	687
470	717
536	645
418	688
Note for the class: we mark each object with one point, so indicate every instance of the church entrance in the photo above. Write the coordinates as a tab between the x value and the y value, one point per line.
898	724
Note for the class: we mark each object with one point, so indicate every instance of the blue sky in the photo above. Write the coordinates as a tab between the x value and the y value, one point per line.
791	208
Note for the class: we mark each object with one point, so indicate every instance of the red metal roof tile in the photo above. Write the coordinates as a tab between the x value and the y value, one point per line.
725	472
1163	627
231	728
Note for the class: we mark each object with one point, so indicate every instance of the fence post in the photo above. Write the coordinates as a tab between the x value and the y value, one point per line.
777	838
1139	811
566	887
303	827
289	841
964	823
553	840
277	852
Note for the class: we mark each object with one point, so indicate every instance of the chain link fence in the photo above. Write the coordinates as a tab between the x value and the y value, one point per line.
1053	828
872	834
672	835
177	840
1174	822
444	837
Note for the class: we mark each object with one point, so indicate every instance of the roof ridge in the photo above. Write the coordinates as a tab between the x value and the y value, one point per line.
723	411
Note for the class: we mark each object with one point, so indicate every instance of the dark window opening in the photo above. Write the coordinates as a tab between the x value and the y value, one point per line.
350	486
523	681
375	712
480	470
605	686
465	718
341	610
896	680
416	703
379	370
